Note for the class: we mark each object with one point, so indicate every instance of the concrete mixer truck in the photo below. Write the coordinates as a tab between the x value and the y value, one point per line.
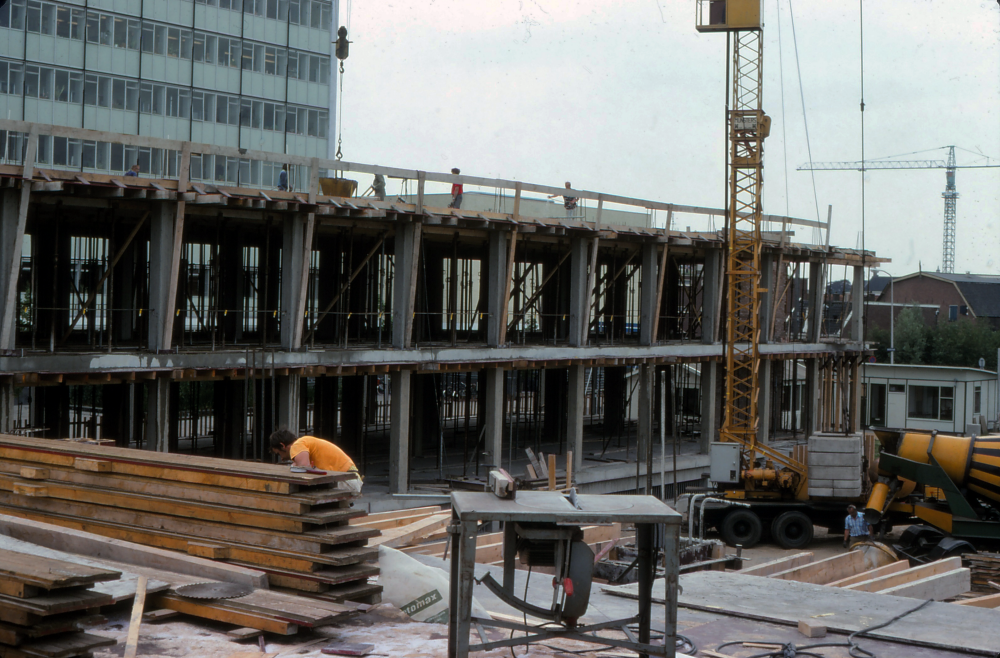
951	483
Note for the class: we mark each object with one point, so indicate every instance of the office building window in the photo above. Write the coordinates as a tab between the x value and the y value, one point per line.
12	14
309	67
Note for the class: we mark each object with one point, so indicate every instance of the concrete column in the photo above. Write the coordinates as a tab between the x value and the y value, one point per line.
158	414
709	405
767	282
579	297
289	401
496	270
645	410
574	414
811	402
8	408
161	254
858	304
352	411
817	285
647	301
711	296
764	400
11	237
494	416
399	432
294	260
404	285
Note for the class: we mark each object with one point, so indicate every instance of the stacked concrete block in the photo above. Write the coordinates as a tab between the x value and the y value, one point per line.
835	465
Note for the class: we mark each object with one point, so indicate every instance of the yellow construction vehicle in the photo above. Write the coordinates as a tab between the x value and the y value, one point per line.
951	483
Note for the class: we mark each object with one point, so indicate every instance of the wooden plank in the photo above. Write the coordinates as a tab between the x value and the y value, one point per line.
159	615
219	612
132	641
937	587
312	541
825	571
399	514
410	534
93	465
988	601
209	551
76	540
13	635
781	564
891	568
907	576
535	464
173	507
201	470
48	573
60	646
296	503
241	634
51	604
552	472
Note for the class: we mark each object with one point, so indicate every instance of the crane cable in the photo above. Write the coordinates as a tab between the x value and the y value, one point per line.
805	120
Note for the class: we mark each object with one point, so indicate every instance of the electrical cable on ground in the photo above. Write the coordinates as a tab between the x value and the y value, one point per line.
791	650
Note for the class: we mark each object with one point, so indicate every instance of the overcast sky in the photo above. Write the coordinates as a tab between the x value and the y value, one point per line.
627	98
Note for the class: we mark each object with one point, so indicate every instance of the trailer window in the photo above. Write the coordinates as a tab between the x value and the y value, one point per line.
931	402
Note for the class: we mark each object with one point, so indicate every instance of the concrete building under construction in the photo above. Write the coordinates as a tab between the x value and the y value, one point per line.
185	314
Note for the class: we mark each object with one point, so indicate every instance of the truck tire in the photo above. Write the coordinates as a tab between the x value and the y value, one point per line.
741	527
792	530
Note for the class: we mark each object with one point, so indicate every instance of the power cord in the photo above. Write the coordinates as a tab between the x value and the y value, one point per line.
791	650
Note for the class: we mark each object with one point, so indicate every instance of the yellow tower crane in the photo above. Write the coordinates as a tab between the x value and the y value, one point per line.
747	127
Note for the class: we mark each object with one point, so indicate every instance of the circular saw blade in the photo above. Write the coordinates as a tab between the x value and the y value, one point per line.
213	590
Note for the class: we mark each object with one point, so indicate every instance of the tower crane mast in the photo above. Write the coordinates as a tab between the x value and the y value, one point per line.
747	126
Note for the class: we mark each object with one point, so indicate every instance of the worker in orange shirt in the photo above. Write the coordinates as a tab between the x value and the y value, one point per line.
313	452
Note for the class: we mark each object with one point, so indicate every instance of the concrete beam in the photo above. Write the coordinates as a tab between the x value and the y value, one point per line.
12	221
817	288
431	357
494	416
574	414
399	431
767	282
296	246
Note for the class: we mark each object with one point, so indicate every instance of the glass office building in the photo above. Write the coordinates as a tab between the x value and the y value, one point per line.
252	74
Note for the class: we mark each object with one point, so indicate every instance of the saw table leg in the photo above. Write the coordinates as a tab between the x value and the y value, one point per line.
644	544
671	568
509	553
458	645
456	543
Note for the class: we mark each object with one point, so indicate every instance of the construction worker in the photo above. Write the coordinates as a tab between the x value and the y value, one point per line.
313	452
856	529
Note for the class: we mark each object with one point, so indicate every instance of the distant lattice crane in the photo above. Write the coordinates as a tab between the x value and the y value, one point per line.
950	194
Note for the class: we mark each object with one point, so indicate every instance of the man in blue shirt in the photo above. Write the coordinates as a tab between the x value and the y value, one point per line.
134	171
283	179
855	527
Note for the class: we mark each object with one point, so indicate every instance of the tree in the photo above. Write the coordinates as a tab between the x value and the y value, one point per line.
911	336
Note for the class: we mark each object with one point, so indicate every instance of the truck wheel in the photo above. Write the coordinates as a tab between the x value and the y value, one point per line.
792	530
741	527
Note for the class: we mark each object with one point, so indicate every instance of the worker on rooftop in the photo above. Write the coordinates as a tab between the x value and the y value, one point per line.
315	453
569	202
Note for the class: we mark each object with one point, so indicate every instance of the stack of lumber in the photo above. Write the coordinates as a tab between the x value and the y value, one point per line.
42	601
293	526
542	472
985	569
835	466
944	579
262	610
